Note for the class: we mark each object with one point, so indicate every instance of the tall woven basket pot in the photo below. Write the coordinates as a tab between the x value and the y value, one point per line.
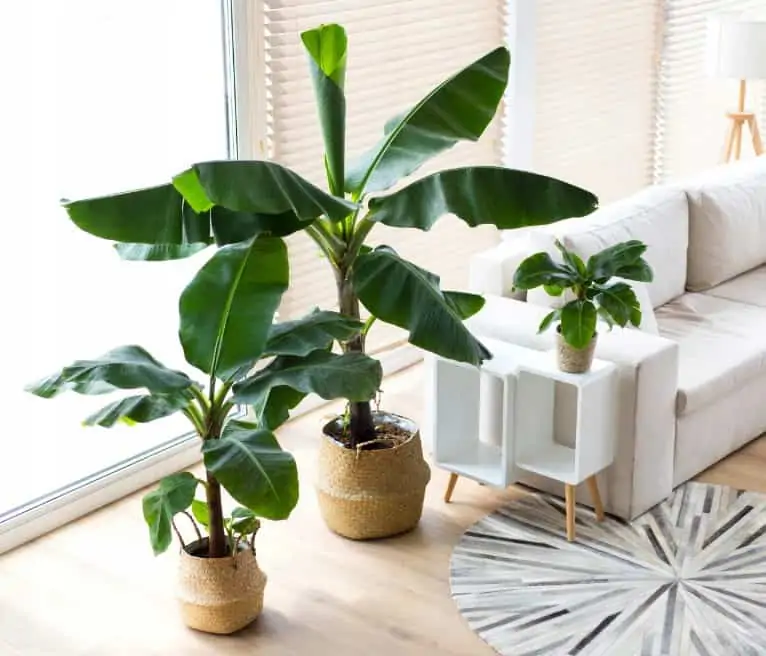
219	595
365	494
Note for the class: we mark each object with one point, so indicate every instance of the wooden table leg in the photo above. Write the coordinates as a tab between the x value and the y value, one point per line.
596	497
450	487
569	491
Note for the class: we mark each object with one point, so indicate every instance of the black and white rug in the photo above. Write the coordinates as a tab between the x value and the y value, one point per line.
686	579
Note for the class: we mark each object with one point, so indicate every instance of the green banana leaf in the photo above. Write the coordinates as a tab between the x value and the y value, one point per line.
57	383
201	512
126	367
620	301
352	376
326	47
312	332
460	108
491	195
259	187
243	521
158	252
174	495
253	468
139	409
228	308
157	215
540	269
231	227
401	293
578	323
611	261
273	408
465	304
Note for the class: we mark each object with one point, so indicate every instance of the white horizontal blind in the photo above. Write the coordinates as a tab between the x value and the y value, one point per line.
691	121
398	51
595	64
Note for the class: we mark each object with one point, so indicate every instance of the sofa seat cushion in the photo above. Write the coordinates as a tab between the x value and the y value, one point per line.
722	346
658	216
727	222
748	288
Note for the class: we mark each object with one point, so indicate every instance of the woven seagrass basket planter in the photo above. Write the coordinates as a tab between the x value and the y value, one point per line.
572	360
219	595
366	494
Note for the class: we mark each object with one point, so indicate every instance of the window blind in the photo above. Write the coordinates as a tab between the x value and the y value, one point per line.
690	120
398	50
594	87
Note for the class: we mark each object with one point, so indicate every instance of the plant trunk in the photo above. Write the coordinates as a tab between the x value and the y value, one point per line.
361	426
217	542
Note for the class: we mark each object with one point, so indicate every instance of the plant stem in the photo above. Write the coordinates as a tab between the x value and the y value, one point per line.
191	413
328	243
217	544
361	426
361	230
198	394
216	531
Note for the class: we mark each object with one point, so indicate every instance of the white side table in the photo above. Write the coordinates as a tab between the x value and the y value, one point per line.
472	415
491	422
536	449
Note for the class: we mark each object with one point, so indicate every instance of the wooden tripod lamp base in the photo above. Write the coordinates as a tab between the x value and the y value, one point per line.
737	122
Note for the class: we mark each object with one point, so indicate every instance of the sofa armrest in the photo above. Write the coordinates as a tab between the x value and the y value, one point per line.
491	271
642	472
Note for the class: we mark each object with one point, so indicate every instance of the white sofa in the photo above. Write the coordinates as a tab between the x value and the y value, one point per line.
696	391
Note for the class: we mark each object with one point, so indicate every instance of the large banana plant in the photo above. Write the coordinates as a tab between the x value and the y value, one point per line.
226	202
227	333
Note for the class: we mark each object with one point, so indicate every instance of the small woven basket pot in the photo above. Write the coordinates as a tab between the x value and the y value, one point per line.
366	494
219	595
572	360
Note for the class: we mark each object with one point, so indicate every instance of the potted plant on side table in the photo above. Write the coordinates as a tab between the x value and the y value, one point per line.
372	474
589	292
226	328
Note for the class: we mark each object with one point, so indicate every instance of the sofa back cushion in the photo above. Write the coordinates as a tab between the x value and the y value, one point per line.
657	216
727	223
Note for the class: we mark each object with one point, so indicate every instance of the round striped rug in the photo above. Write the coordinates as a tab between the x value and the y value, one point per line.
688	578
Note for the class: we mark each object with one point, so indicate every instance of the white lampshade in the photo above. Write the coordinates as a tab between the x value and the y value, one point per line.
736	47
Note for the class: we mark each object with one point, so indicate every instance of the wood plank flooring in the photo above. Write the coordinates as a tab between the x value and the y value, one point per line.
93	588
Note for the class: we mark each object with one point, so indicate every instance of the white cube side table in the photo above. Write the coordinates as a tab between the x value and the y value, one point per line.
536	449
462	414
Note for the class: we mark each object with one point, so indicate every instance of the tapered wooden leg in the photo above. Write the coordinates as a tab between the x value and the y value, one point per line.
569	491
596	497
738	140
728	146
450	487
757	143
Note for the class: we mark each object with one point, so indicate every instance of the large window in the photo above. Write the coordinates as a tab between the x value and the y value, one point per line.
113	96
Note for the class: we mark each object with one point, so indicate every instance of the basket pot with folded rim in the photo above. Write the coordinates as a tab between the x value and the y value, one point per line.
367	493
571	359
219	595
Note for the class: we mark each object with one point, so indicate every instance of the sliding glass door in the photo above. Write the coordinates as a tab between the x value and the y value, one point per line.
118	95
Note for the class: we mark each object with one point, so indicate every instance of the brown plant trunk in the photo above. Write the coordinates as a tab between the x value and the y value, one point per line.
361	426
217	541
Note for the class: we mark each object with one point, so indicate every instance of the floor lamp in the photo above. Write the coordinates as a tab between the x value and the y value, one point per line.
737	49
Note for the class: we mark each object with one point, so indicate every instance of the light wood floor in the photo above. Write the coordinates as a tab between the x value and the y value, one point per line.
93	588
